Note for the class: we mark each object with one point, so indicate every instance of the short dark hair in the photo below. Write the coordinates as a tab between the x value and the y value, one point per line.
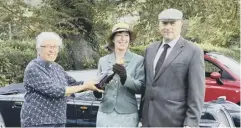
111	44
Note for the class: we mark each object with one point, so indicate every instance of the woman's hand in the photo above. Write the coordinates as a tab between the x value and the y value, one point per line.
90	85
121	71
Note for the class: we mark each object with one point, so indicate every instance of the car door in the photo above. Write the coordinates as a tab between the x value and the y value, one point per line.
213	89
230	88
233	90
86	108
10	110
71	113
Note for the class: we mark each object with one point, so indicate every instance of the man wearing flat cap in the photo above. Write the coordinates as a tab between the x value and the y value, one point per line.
174	69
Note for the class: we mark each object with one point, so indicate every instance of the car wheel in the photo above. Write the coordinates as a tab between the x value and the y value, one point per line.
2	124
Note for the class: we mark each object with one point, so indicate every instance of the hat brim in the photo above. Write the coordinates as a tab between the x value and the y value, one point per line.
132	35
169	19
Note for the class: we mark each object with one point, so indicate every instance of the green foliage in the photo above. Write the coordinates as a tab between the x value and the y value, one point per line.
234	53
90	64
213	24
15	55
220	27
138	49
211	21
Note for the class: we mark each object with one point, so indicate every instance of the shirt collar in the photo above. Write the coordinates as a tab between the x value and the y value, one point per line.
43	63
172	43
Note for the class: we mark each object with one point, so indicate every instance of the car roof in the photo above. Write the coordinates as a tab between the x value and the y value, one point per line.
212	108
12	89
210	105
230	106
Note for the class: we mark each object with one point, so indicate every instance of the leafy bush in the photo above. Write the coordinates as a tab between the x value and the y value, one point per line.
223	35
15	55
234	53
13	60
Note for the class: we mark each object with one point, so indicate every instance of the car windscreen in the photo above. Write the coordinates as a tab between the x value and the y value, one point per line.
231	107
207	116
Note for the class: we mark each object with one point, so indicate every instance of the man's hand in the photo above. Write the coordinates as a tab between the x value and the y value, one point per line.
90	85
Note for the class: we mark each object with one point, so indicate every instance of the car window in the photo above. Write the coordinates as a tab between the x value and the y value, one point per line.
211	67
229	62
223	118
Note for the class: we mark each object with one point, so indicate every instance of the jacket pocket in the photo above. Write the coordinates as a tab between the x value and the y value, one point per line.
177	98
130	100
179	67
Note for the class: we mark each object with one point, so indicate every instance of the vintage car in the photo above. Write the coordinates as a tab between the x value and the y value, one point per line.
81	110
82	107
220	113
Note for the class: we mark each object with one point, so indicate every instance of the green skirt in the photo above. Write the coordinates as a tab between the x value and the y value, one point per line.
115	119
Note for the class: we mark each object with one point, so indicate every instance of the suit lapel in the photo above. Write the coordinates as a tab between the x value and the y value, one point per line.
153	53
128	57
111	61
177	49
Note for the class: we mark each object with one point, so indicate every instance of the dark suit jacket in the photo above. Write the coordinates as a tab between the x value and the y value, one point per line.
175	95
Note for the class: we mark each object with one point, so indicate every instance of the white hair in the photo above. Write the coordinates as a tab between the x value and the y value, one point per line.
43	36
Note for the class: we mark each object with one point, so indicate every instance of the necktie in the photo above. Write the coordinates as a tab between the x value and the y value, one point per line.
162	58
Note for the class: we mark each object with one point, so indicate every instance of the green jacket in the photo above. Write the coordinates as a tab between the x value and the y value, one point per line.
117	96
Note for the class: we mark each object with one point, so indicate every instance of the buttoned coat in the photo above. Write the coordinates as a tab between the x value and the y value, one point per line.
175	95
117	96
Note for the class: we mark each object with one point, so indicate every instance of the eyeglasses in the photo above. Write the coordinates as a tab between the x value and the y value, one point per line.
51	47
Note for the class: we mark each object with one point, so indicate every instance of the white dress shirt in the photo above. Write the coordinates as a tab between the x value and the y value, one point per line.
160	50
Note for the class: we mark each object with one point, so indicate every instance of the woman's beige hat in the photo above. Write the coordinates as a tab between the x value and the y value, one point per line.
121	27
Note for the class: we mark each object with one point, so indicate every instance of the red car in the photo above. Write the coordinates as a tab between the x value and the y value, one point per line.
222	77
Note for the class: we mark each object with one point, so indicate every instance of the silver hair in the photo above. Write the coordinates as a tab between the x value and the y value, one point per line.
43	36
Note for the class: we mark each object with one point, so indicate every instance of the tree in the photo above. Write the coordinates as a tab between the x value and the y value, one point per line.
220	18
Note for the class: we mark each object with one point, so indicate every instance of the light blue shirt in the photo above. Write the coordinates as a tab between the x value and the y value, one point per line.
160	50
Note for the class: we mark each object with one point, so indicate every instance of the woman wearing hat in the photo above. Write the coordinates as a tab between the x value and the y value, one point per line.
118	106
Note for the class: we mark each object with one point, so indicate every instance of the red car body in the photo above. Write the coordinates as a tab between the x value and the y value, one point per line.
222	77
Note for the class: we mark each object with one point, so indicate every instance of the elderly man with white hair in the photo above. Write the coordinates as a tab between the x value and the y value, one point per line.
47	85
